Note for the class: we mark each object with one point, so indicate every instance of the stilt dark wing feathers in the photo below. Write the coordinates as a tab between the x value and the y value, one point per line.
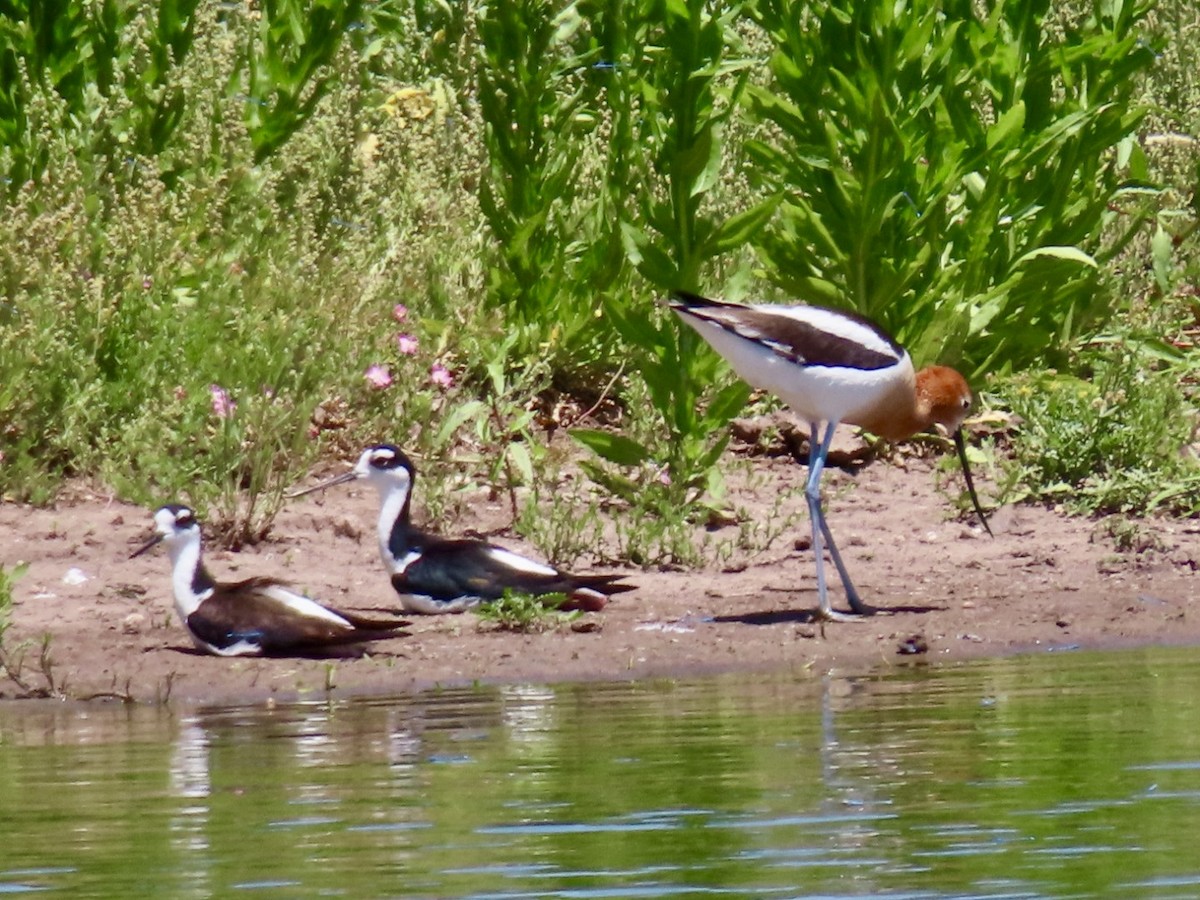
365	622
249	586
227	619
448	570
428	577
258	582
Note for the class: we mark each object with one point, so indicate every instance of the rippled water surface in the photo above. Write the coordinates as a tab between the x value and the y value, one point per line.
1064	775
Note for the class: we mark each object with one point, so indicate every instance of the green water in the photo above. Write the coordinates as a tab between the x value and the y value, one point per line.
1061	775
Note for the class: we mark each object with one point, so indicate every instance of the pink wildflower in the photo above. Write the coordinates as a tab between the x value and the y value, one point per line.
222	406
441	376
407	344
399	312
180	392
378	376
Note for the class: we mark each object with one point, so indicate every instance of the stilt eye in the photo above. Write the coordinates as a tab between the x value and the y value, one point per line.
385	458
175	514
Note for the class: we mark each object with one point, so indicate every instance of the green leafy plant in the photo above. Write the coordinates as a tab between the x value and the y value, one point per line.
529	105
564	528
948	168
134	288
12	659
284	77
522	612
556	248
680	64
127	52
505	418
1115	443
651	532
1129	534
1165	161
8	578
669	57
755	534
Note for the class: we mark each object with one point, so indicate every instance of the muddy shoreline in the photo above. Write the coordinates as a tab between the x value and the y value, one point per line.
943	588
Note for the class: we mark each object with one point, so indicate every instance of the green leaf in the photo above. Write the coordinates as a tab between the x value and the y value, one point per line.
1162	251
727	403
691	161
518	454
1069	254
739	229
651	261
457	418
1013	121
613	447
617	485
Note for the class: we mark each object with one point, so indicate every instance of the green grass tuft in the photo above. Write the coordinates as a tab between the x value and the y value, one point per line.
524	612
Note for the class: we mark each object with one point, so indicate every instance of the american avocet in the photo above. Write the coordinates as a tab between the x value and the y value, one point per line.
252	617
433	574
832	366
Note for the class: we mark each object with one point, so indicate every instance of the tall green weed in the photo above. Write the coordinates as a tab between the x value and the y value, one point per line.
284	77
121	51
531	101
1114	432
1121	441
682	67
948	168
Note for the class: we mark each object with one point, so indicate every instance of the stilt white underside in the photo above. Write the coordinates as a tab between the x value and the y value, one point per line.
241	648
427	606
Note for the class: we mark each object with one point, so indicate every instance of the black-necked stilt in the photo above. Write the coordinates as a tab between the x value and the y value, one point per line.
433	574
252	617
830	367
